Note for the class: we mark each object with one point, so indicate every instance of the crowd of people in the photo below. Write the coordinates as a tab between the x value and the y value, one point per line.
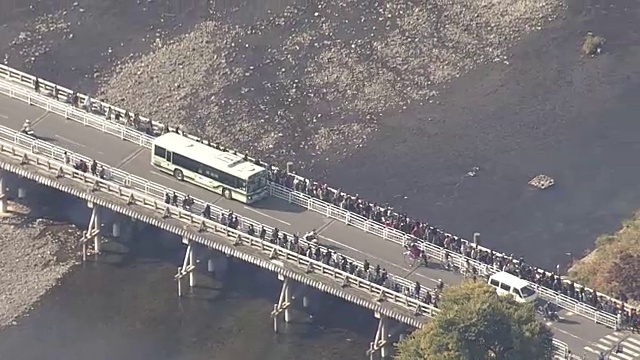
297	243
385	215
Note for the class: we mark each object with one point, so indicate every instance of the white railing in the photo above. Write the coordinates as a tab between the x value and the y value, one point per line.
158	192
561	351
138	191
310	203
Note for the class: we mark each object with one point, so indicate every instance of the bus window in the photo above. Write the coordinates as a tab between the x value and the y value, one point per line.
257	183
160	151
185	162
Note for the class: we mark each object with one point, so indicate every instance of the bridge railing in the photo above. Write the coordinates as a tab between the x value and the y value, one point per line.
295	197
52	159
158	192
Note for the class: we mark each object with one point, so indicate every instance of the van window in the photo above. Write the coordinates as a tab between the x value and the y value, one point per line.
494	282
527	291
505	287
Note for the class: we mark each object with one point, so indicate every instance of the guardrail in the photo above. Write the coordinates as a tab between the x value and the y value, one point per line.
53	159
298	198
561	351
158	192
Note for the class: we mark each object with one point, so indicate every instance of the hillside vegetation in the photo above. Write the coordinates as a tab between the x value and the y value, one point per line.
614	265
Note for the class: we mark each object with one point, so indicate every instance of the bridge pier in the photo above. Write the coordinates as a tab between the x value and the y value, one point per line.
188	266
380	342
284	303
93	231
22	193
116	229
3	195
218	265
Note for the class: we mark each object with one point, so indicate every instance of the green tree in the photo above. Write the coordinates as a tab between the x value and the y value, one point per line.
476	324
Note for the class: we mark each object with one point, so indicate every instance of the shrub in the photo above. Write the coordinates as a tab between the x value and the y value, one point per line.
614	265
475	323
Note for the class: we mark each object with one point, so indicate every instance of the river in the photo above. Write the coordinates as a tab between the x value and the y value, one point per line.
124	306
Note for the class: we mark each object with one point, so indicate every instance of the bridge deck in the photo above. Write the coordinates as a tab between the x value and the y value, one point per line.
574	330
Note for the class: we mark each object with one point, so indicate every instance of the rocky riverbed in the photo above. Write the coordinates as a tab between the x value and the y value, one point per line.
292	80
314	79
35	254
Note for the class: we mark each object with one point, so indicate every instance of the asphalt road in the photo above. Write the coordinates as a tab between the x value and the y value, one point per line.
576	331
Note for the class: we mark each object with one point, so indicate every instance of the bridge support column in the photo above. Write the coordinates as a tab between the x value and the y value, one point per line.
94	224
3	195
22	193
218	265
116	229
188	266
380	341
284	302
93	231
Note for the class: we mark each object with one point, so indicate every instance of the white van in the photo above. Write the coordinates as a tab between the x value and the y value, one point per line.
511	285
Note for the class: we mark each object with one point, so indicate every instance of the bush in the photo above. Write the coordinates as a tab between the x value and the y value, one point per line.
475	323
614	265
592	44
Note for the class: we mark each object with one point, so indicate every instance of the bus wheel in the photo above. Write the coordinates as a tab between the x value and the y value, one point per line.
178	174
226	193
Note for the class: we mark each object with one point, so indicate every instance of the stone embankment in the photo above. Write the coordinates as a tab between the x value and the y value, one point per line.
35	254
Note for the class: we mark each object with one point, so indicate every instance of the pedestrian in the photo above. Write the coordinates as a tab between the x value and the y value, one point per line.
75	99
94	168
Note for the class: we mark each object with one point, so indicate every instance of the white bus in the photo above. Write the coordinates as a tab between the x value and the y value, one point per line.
225	173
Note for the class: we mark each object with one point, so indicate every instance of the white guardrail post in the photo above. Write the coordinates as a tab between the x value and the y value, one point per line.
120	130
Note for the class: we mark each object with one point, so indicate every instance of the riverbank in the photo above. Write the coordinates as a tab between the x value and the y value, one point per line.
35	255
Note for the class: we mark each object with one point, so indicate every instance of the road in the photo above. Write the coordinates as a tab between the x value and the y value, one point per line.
576	331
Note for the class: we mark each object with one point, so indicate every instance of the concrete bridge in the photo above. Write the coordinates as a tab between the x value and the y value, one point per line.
142	199
44	164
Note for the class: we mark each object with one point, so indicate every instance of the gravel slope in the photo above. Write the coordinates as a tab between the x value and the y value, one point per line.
34	255
312	81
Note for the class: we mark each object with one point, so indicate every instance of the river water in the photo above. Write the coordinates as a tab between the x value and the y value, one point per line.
124	306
